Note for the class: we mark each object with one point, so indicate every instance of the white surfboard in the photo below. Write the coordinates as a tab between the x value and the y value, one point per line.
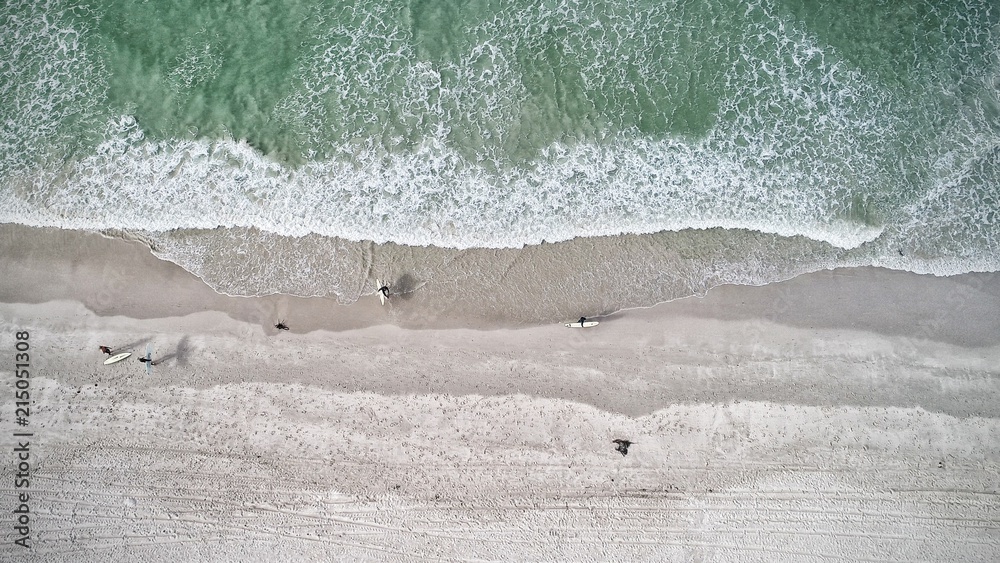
585	324
378	289
117	358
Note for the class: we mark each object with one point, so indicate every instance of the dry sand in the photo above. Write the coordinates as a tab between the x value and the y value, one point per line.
843	415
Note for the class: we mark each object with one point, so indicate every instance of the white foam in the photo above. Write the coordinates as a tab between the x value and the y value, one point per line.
432	196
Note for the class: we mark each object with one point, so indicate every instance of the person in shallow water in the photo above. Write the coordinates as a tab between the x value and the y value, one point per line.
582	320
281	326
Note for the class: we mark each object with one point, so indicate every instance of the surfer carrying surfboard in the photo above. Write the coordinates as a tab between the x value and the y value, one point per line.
582	323
382	291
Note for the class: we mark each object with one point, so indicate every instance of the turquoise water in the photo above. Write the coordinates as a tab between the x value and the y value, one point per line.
871	128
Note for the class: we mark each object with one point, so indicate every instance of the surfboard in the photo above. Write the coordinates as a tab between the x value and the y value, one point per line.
117	358
586	324
378	289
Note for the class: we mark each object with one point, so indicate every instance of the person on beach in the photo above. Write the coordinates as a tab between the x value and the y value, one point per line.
622	446
106	350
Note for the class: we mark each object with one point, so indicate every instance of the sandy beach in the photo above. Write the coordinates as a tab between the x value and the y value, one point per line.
851	414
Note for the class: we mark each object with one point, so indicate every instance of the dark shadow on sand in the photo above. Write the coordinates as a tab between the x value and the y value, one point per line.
404	287
129	346
180	353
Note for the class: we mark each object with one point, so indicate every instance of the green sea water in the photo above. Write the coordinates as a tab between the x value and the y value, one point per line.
305	77
493	79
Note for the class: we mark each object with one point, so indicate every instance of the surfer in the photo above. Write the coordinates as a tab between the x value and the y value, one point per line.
384	290
281	326
144	360
622	446
106	350
582	320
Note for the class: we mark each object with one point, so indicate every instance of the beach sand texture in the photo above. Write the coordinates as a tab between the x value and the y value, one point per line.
843	415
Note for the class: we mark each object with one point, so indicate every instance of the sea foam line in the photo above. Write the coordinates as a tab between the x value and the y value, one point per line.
430	197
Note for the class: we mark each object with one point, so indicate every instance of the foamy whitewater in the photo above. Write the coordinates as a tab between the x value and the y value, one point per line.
260	145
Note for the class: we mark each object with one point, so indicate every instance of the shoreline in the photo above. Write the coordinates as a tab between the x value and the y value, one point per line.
114	276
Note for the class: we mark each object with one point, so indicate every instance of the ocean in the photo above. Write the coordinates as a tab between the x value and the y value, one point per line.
530	160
